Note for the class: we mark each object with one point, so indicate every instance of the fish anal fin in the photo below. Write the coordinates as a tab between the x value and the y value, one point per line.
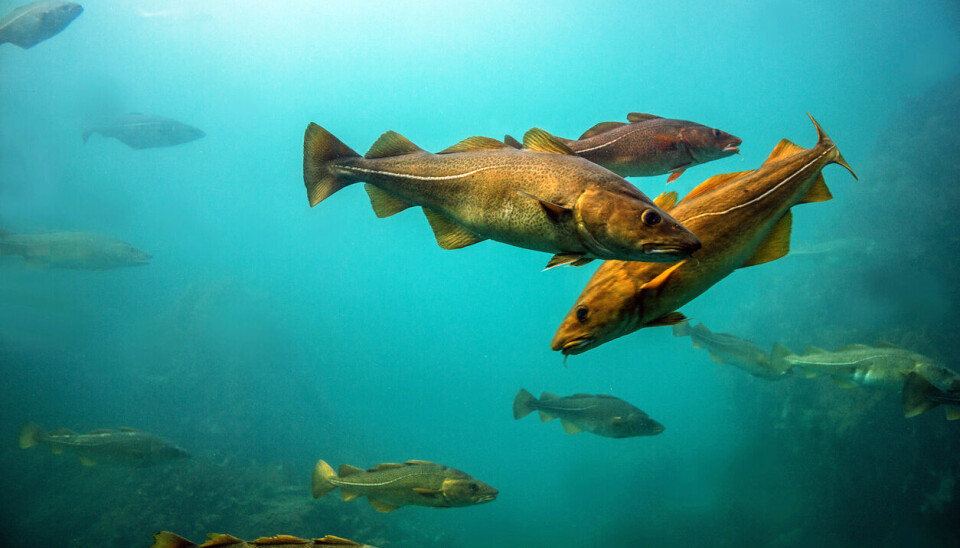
844	383
569	427
347	470
602	127
714	183
220	539
544	416
670	318
382	507
348	495
784	149
666	200
384	204
449	234
809	373
716	358
538	140
390	144
474	144
775	245
818	192
675	175
641	117
87	461
560	259
511	142
166	539
279	539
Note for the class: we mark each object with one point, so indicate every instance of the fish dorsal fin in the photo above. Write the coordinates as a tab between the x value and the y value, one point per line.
818	192
428	493
775	245
670	318
347	470
102	431
449	234
128	429
220	539
607	397
511	142
581	395
854	347
783	149
280	539
641	117
348	495
473	144
553	210
667	200
63	432
714	183
660	279
389	144
419	463
385	466
885	344
331	540
538	140
602	127
569	427
813	350
166	539
545	396
382	507
384	204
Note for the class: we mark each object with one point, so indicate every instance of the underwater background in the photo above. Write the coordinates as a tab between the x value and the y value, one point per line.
265	334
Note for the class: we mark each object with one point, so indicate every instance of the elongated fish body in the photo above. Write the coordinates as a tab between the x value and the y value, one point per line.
921	395
124	446
742	219
72	250
30	24
141	131
542	198
166	539
599	414
390	486
732	350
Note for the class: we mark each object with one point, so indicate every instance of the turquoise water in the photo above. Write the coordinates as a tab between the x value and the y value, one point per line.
265	334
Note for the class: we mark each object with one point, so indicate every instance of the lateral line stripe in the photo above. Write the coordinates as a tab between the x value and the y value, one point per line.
608	143
341	482
801	363
24	14
421	177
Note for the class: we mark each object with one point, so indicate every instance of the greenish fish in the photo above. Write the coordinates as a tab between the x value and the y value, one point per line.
543	197
124	446
389	486
602	415
30	24
140	131
732	350
166	539
921	395
648	145
72	250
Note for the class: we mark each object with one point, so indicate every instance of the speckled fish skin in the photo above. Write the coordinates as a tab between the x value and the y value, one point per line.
30	24
140	131
167	539
732	350
552	202
736	216
599	414
72	250
124	446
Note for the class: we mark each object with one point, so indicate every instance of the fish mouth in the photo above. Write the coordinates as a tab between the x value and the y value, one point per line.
659	253
576	346
732	148
487	498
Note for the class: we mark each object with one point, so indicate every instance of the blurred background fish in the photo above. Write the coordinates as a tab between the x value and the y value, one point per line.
141	131
30	24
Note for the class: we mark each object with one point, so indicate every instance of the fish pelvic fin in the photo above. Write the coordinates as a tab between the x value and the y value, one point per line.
778	358
30	435
166	539
523	404
323	478
915	400
320	149
825	140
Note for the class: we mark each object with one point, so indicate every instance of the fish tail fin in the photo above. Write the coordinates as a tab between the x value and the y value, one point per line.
824	140
320	148
166	539
30	435
777	356
323	476
915	392
523	404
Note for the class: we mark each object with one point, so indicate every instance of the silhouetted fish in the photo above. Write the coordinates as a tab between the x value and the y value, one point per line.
33	23
732	350
72	250
125	446
602	415
141	131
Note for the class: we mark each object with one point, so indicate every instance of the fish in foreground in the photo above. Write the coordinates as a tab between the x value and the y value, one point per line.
389	486
920	396
30	24
166	539
72	250
542	197
648	145
123	446
742	219
141	131
732	350
602	415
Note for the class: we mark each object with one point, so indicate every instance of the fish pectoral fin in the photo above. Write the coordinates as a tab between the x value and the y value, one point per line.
675	175
667	142
666	200
641	117
390	144
783	149
449	234
511	142
472	144
775	245
713	183
429	493
544	416
602	127
348	495
818	192
569	427
654	285
220	539
843	383
670	318
166	539
87	461
384	204
573	259
555	211
538	140
382	507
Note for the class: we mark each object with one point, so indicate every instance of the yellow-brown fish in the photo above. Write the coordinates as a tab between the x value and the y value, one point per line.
743	219
166	539
543	197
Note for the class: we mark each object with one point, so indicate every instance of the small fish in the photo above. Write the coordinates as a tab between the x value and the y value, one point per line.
166	539
920	396
649	145
124	446
30	24
732	350
543	197
141	131
743	219
389	486
72	250
602	415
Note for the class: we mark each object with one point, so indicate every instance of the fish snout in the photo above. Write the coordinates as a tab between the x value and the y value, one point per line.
574	346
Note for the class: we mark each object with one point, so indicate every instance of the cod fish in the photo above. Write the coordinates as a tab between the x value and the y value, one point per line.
30	24
649	145
732	350
124	446
141	131
602	415
742	219
920	396
166	539
389	486
72	250
542	198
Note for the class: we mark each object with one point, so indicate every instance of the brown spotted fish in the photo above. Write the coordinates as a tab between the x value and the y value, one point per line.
166	539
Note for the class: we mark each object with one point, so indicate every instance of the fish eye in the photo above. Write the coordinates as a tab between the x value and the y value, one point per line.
716	133
474	487
650	217
582	313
